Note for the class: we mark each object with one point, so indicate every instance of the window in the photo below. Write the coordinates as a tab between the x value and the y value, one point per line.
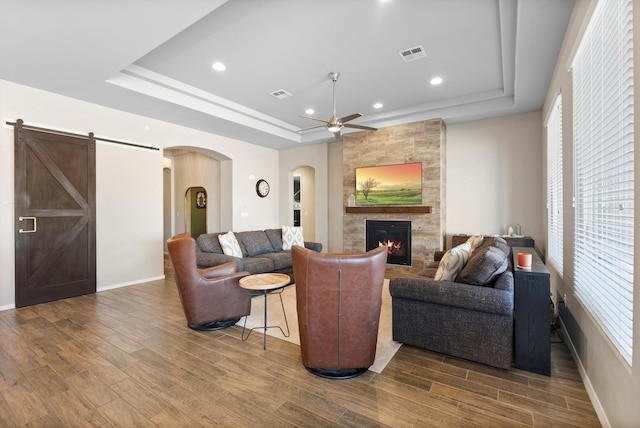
604	171
554	185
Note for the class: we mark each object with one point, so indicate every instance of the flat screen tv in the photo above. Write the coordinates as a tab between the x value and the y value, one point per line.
399	184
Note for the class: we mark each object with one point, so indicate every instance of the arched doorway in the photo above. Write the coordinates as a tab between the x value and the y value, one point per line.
193	167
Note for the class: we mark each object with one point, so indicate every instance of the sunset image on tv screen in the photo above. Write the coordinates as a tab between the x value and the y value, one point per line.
389	184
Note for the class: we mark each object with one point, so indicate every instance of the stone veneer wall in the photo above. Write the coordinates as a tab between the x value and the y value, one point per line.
413	142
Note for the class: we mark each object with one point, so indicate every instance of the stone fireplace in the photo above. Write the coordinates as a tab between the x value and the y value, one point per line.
412	142
394	235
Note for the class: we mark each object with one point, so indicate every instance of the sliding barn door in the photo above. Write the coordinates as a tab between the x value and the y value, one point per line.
54	216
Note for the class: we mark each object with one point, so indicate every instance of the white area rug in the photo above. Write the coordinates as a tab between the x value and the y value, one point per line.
385	350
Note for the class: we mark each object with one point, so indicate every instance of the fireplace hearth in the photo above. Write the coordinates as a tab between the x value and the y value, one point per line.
393	234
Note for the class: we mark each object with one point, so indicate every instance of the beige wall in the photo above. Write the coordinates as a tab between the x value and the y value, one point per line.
128	216
613	385
494	176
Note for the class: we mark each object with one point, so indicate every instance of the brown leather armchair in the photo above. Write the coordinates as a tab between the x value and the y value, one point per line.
212	298
338	299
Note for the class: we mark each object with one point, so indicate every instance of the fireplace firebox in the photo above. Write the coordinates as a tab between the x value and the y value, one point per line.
395	235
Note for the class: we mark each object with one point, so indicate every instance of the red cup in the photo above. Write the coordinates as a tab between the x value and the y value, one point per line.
524	260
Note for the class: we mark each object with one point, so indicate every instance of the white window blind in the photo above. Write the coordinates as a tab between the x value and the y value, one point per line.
604	165
554	185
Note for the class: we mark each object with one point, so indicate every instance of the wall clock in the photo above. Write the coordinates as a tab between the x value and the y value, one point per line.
262	188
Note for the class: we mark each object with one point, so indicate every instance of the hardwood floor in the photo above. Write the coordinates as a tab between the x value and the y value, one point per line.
126	358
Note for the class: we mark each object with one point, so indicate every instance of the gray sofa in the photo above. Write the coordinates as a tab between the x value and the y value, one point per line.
471	318
261	252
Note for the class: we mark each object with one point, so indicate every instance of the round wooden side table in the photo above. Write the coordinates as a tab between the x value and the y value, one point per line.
267	283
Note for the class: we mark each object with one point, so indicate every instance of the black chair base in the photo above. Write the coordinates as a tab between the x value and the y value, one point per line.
216	325
337	373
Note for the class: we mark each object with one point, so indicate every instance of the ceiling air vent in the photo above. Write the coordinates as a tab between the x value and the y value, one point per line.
281	94
412	54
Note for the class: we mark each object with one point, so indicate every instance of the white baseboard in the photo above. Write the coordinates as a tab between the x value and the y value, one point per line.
602	416
126	284
105	288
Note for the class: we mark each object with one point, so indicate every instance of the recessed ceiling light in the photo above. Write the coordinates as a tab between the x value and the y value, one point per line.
436	80
377	105
309	111
218	66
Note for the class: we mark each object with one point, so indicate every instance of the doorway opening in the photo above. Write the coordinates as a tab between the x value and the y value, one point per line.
195	208
303	196
296	200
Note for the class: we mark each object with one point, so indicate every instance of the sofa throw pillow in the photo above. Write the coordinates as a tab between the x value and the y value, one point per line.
475	241
291	236
487	262
230	245
255	242
452	262
209	243
275	237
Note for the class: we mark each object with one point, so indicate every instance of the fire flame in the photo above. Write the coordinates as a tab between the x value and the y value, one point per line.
393	247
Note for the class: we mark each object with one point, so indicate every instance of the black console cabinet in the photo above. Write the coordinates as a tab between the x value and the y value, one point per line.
532	315
513	241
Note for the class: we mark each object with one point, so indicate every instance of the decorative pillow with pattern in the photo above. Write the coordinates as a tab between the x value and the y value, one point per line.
291	236
452	262
230	245
475	241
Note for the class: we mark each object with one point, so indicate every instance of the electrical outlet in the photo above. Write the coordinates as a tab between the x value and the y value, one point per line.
564	298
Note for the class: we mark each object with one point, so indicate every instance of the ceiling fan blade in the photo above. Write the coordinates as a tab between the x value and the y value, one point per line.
352	125
312	127
336	134
350	117
313	118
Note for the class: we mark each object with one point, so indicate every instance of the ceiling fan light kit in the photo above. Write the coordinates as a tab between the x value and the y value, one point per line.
335	124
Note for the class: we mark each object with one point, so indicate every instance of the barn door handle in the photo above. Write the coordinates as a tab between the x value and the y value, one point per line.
35	224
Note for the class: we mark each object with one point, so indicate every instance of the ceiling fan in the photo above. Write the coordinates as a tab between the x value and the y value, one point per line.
335	124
